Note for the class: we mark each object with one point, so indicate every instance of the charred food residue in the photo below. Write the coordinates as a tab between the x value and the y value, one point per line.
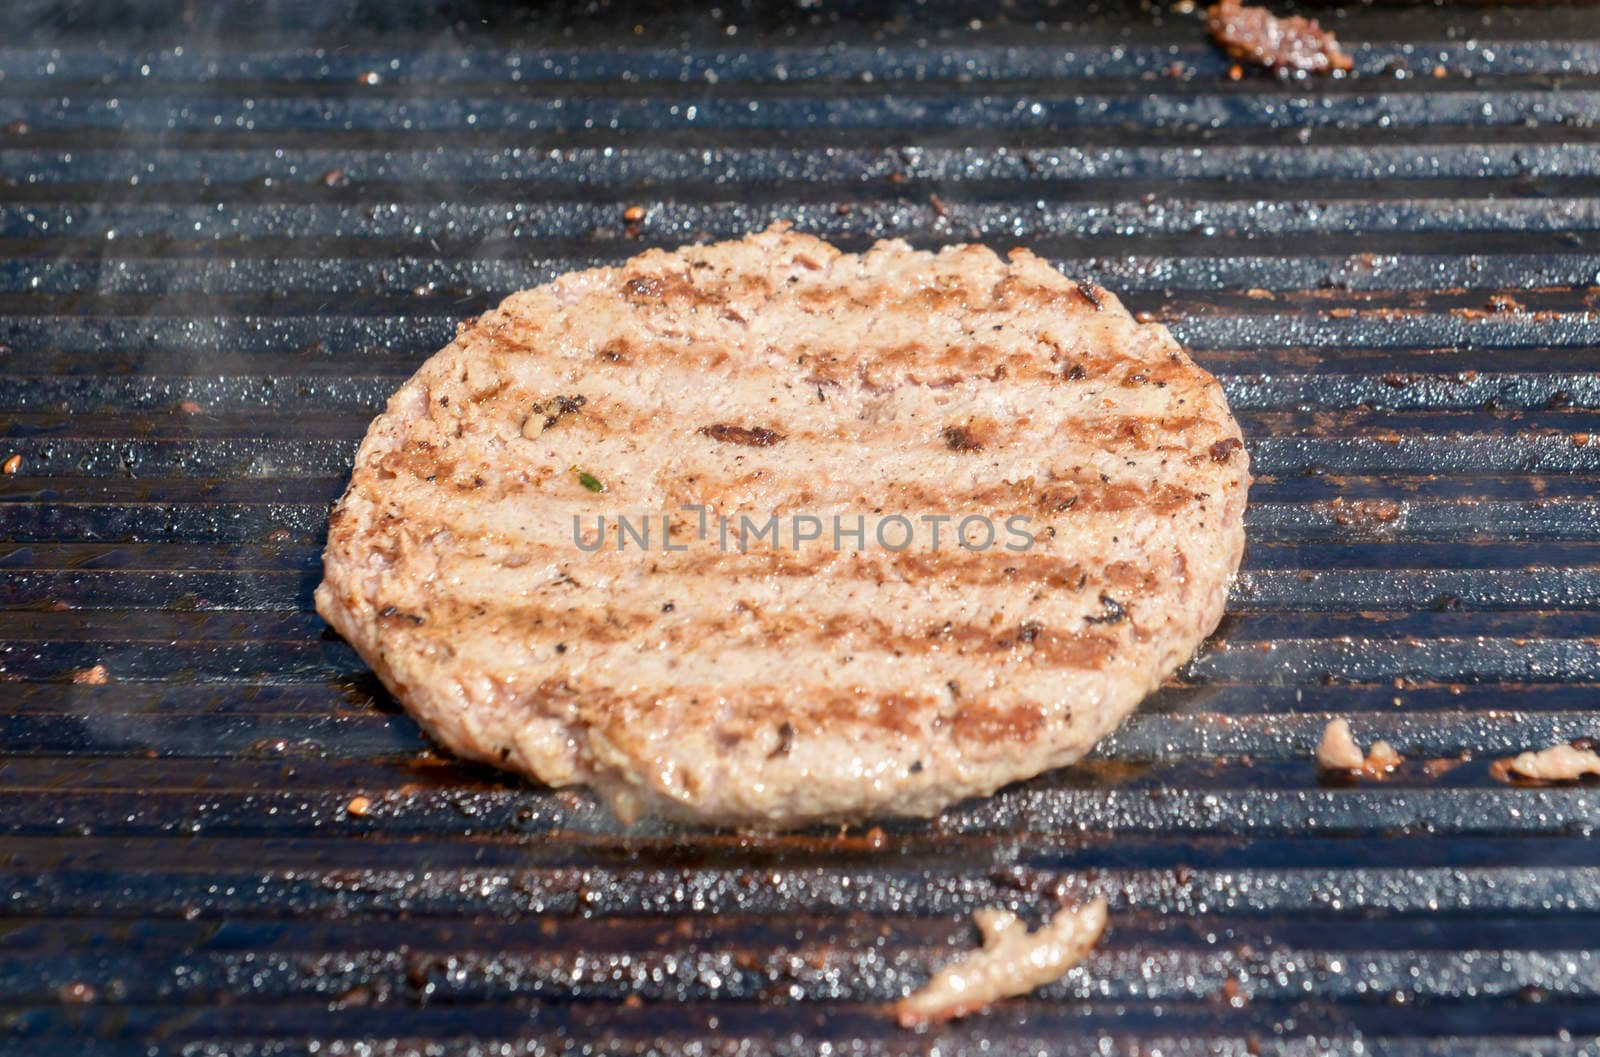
1254	34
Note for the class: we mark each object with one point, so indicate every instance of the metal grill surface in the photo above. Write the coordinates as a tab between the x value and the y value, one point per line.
225	238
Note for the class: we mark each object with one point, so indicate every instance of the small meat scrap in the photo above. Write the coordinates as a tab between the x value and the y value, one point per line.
1012	961
96	676
1338	751
1381	759
1254	34
1558	763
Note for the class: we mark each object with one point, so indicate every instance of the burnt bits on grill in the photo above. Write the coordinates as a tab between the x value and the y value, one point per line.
1289	45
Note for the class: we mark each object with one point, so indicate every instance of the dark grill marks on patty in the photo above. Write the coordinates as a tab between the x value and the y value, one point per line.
776	376
749	436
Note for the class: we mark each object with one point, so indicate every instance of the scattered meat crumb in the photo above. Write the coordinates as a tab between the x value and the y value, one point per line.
1558	763
189	407
1365	513
1443	765
77	993
11	465
356	997
1382	758
1338	751
1012	961
359	806
1580	440
1223	450
1254	34
96	676
633	214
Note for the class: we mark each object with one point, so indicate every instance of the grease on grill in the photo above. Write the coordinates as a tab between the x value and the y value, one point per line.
1254	34
657	879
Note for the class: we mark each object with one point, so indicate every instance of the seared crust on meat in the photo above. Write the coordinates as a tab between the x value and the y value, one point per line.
775	375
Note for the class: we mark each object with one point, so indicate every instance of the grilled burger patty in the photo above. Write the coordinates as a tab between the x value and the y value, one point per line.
818	631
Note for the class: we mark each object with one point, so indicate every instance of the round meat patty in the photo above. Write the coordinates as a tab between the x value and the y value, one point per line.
938	522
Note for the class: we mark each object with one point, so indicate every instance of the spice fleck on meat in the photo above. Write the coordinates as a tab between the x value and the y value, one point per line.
957	438
547	413
1114	612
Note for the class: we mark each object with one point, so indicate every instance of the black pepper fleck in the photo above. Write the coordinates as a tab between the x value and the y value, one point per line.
1114	611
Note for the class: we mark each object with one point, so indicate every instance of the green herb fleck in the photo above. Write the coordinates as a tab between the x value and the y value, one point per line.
589	480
